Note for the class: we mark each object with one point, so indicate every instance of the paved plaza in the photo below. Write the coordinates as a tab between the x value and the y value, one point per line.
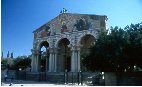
9	82
27	83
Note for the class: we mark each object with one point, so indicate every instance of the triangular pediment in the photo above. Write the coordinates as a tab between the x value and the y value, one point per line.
67	22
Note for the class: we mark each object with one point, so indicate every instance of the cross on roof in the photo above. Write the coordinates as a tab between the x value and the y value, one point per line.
63	11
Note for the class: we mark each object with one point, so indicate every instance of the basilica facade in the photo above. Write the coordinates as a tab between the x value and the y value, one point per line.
66	38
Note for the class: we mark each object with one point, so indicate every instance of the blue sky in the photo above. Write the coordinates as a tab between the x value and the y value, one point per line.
20	17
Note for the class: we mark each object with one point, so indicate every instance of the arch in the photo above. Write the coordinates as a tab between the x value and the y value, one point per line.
64	57
87	38
43	56
43	43
86	42
64	40
62	37
92	33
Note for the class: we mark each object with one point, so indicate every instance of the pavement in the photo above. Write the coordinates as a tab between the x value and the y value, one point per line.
10	82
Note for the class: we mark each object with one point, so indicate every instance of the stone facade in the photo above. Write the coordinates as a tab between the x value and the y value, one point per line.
66	38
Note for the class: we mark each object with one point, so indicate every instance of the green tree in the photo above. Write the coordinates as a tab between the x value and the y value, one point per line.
134	48
2	54
8	54
4	63
116	50
11	55
23	62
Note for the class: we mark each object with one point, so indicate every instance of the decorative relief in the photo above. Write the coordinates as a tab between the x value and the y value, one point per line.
67	22
64	28
43	33
82	25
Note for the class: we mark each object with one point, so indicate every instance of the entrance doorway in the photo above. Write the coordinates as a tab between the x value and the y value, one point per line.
64	56
44	56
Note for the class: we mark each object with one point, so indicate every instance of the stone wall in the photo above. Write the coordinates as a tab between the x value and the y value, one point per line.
32	76
110	79
129	79
123	78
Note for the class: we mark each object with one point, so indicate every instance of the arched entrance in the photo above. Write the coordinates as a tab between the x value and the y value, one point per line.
86	42
44	57
64	57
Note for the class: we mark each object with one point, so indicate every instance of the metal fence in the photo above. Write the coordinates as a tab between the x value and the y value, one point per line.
70	78
78	78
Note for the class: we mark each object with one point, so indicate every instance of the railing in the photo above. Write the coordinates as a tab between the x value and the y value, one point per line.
83	78
73	78
69	78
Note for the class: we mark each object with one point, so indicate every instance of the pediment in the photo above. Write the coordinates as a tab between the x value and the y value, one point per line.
67	22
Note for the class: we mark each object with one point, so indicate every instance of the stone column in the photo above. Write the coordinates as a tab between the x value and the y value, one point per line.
39	60
72	59
47	68
51	60
55	59
78	58
75	59
50	56
35	61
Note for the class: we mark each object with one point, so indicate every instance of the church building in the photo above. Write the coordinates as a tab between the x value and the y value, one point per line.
66	38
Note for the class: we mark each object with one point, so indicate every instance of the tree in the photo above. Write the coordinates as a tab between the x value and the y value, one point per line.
134	49
117	50
10	63
11	55
23	62
8	54
2	54
4	63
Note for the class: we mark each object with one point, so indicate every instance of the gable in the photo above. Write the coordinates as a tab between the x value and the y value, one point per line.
67	22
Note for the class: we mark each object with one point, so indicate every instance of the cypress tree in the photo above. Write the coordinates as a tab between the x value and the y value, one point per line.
12	55
2	54
8	54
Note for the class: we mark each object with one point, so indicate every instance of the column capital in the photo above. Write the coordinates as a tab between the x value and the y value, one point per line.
56	50
53	50
75	48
